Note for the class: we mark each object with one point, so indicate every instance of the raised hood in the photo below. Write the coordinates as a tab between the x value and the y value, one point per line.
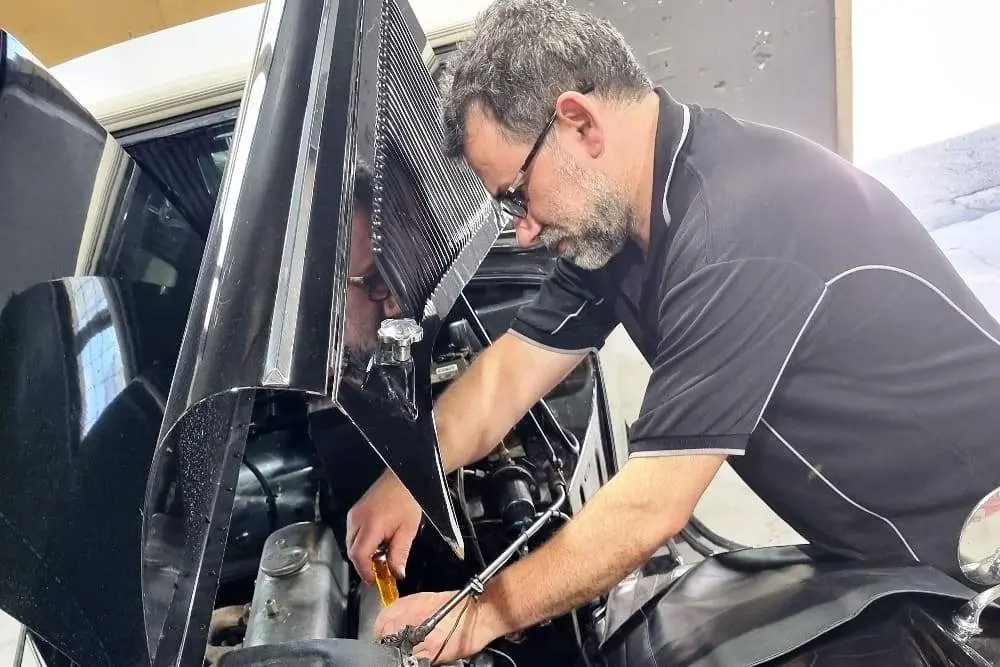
336	171
85	367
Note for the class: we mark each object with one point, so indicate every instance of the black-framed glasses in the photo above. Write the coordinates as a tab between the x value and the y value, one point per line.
513	200
373	285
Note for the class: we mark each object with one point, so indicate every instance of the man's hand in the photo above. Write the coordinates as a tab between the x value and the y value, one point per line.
472	634
387	511
471	418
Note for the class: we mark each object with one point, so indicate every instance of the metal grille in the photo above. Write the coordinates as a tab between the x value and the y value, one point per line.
427	207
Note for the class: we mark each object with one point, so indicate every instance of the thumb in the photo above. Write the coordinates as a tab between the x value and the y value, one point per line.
399	548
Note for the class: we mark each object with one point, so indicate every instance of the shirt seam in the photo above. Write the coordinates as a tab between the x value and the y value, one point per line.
712	436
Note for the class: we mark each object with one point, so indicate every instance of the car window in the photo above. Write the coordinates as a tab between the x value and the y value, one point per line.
165	207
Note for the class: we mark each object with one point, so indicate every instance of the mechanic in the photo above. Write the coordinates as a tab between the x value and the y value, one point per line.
799	321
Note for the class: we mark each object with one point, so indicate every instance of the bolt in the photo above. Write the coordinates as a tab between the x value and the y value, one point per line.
271	607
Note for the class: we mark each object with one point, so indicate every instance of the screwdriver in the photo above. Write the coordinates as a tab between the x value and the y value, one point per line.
384	579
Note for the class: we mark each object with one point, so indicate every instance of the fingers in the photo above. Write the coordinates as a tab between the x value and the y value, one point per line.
399	548
361	549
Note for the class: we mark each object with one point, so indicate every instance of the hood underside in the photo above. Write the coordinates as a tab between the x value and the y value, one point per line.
336	172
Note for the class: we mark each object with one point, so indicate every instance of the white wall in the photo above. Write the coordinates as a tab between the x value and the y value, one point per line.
924	70
440	14
215	48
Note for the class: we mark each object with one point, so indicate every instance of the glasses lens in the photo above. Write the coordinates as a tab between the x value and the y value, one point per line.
377	289
515	206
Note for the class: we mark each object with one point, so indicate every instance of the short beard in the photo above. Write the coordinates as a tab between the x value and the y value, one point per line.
599	234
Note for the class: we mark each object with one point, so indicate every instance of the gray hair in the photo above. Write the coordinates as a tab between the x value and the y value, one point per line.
522	55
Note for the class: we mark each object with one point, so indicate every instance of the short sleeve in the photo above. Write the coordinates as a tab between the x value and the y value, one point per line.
567	314
727	332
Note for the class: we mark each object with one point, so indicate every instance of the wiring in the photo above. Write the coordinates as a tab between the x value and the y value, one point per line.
454	627
272	499
490	649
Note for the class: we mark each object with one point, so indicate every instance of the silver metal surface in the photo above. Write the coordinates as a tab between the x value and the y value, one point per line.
965	624
369	607
410	636
397	337
284	320
979	542
979	558
301	588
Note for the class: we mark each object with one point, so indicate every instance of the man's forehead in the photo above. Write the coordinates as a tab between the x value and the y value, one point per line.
490	154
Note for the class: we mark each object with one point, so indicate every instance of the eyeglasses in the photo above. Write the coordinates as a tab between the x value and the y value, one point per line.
513	200
373	284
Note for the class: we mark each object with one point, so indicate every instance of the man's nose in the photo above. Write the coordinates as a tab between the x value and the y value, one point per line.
526	230
391	308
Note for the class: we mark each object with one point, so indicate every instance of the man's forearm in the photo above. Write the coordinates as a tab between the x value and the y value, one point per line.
618	530
475	413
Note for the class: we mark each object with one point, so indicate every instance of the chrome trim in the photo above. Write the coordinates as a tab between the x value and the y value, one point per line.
965	623
112	175
284	320
246	124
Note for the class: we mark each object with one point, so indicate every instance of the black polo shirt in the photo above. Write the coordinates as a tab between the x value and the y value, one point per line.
799	319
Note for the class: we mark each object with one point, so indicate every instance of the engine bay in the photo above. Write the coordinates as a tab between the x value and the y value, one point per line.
286	582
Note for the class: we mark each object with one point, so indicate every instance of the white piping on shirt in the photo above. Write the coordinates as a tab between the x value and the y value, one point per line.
919	279
568	318
707	451
666	211
840	493
849	272
673	161
791	351
830	283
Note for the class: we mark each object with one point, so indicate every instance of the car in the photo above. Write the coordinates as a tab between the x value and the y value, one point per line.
205	204
230	312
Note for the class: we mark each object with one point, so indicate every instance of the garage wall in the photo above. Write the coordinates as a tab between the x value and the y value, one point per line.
765	60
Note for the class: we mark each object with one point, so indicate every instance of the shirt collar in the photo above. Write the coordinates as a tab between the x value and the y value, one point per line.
672	129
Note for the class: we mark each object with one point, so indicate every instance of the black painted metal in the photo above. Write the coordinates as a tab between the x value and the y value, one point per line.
50	149
85	365
432	223
338	97
222	362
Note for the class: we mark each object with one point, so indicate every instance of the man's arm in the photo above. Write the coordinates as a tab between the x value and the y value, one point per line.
649	501
471	417
547	339
475	413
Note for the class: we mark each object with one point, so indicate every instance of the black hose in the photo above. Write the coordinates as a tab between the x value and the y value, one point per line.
467	517
695	543
714	537
272	500
674	552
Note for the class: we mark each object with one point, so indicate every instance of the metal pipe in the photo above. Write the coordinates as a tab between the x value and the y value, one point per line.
414	636
22	639
965	624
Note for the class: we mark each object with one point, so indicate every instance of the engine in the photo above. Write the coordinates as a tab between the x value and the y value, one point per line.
287	588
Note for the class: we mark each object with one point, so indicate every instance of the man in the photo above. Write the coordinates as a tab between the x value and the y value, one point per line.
369	300
799	321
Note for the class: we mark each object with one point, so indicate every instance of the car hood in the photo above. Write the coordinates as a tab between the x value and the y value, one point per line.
336	168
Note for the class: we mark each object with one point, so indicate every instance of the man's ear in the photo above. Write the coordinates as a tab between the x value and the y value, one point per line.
579	122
